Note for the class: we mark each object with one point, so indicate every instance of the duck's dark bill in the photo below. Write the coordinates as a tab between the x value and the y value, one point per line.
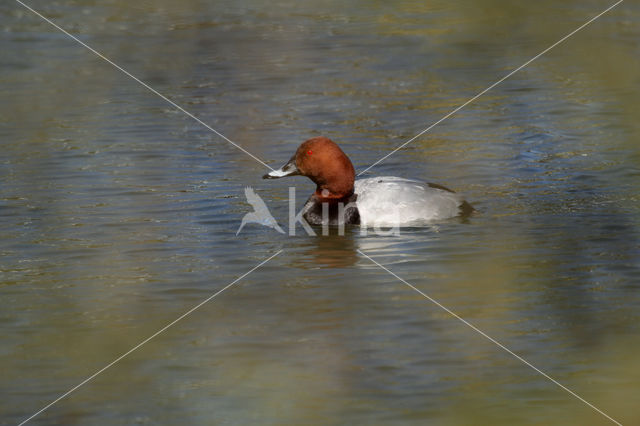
288	169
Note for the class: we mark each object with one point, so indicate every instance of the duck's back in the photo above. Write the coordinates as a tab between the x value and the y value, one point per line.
391	200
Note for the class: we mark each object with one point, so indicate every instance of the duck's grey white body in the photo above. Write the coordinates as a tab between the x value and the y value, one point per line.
390	200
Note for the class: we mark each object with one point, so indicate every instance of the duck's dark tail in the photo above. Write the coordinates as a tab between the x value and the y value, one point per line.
466	209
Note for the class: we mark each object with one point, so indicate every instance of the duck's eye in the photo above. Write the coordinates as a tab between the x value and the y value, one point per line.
309	152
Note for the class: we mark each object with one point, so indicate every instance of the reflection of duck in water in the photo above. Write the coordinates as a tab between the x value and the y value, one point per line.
333	251
260	213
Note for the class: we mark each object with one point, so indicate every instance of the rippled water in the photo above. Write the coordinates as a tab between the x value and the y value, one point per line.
118	213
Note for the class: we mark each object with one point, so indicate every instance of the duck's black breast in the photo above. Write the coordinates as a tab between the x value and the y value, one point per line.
313	212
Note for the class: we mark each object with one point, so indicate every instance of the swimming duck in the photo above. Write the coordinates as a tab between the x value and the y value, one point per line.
380	201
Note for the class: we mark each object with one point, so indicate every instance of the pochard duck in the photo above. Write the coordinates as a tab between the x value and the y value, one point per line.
380	201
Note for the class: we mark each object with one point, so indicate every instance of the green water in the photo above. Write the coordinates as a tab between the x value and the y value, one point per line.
119	213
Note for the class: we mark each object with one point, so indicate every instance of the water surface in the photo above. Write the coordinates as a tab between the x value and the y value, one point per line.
119	213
